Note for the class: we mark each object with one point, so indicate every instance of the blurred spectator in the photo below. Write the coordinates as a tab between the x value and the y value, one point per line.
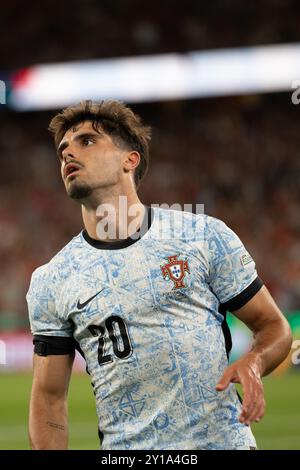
76	30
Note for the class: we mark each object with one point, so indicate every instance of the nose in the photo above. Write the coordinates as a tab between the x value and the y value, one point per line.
68	154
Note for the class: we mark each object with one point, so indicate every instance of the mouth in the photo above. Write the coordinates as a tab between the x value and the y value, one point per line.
71	169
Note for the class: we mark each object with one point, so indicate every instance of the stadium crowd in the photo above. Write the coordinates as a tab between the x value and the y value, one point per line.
237	156
76	30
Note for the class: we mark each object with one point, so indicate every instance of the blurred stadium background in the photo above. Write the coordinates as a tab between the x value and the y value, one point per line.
225	134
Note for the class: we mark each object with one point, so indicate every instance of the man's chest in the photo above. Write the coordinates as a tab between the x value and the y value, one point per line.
134	284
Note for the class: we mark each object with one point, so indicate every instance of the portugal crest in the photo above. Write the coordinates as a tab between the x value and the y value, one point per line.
175	270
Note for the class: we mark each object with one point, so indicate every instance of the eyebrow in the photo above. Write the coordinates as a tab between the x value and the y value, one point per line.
87	135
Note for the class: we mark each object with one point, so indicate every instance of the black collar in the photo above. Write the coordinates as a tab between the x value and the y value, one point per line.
119	244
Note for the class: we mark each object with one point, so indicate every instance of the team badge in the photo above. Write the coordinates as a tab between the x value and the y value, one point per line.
175	270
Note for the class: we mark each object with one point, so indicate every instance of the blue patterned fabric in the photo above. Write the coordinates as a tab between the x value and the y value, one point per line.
152	335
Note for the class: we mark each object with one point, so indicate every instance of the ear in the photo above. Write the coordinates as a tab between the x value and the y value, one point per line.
131	161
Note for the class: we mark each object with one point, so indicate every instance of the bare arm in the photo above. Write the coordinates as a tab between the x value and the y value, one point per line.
272	334
271	345
48	420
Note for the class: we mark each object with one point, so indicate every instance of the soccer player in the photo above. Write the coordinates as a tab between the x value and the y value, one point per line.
144	296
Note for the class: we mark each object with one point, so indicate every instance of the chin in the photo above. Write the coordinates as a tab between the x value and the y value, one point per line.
76	191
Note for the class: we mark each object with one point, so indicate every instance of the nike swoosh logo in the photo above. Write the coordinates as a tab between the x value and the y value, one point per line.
82	305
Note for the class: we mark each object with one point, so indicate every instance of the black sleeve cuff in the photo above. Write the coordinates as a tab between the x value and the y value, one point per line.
241	299
53	345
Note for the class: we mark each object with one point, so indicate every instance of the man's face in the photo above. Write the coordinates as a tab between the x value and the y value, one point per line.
89	160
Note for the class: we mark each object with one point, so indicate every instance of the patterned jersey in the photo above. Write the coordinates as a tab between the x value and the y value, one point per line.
146	315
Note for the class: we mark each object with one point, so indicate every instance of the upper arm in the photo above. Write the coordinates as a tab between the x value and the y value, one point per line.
46	314
232	273
260	310
51	374
235	282
53	334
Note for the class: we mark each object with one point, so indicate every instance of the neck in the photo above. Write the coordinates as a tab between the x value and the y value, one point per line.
113	217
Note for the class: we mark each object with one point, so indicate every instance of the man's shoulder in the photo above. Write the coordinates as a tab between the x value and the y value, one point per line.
214	224
60	265
175	215
217	229
190	224
202	217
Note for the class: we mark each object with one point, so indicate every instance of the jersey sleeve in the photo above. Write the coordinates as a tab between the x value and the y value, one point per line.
44	318
232	273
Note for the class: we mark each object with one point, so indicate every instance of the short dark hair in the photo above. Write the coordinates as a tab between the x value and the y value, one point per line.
116	119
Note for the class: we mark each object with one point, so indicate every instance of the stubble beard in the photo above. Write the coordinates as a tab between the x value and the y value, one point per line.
79	191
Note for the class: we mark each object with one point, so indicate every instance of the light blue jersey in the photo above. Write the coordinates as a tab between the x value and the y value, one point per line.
147	318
